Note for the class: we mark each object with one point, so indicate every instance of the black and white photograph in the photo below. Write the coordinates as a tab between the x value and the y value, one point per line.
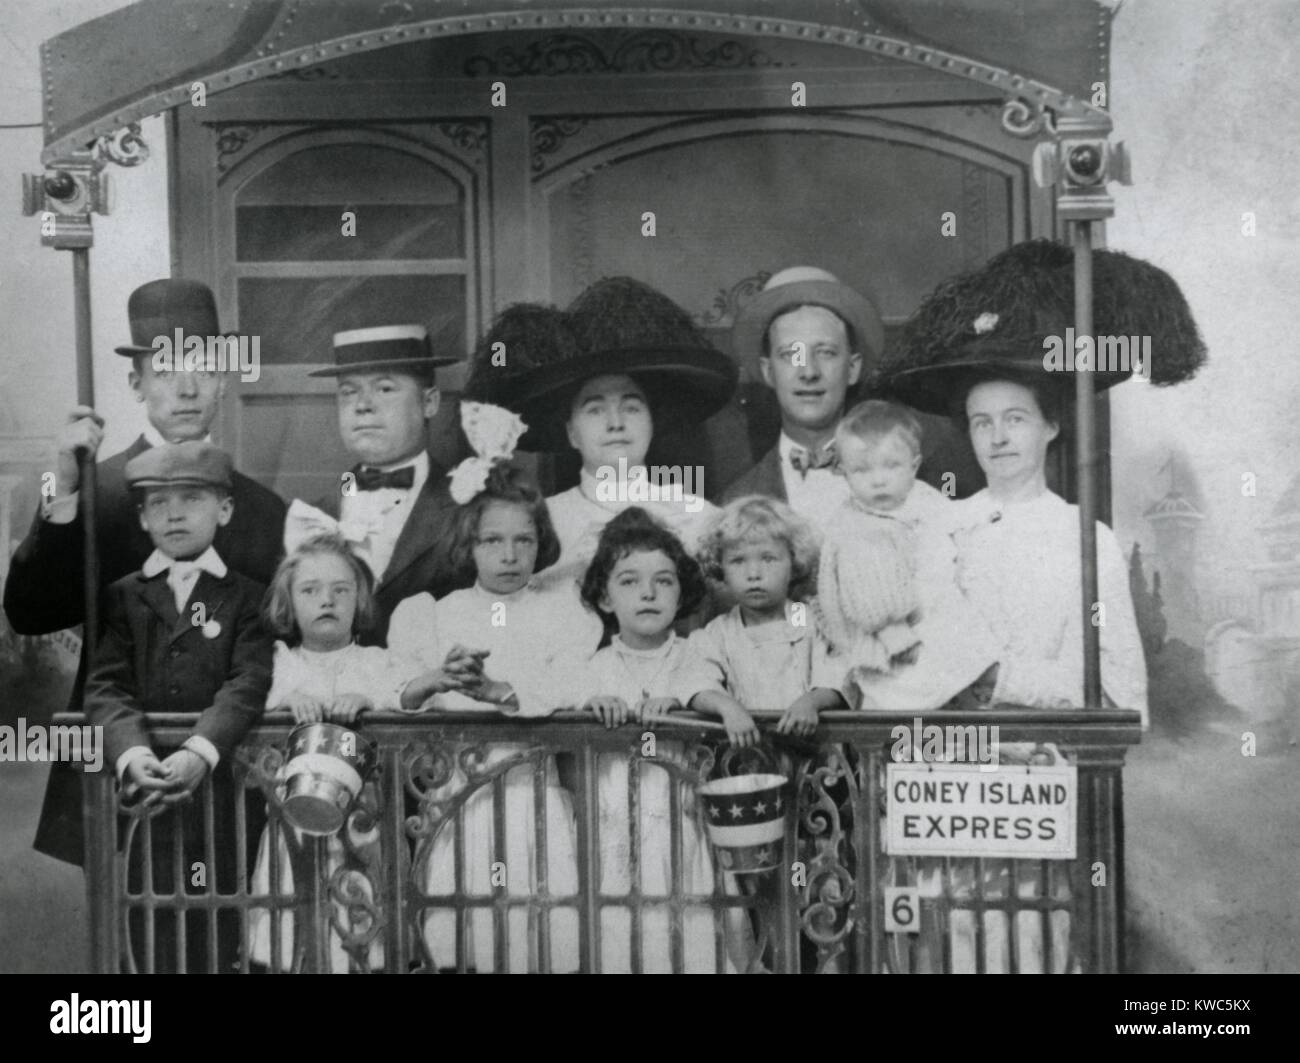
451	452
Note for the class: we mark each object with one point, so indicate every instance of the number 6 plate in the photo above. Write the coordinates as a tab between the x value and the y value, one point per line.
902	910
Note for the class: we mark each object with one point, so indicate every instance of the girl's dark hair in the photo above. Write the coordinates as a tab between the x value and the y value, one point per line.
635	531
505	483
277	607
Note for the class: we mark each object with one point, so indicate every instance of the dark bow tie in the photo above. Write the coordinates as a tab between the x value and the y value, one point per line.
802	460
374	479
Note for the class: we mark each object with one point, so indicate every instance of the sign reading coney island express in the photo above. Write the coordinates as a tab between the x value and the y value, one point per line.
1015	811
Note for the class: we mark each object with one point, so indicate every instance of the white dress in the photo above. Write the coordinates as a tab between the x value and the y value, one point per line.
956	646
367	670
671	671
526	633
580	515
766	667
1019	567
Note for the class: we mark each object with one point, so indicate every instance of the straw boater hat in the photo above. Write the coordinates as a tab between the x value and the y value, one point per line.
809	286
617	326
161	307
368	350
993	323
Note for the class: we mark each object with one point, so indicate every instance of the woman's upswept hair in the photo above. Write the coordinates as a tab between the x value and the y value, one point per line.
635	531
505	483
757	516
278	605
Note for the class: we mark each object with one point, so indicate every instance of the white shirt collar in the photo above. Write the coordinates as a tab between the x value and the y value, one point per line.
663	651
420	463
785	445
209	561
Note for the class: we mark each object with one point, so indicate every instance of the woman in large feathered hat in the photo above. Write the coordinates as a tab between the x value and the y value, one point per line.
986	348
602	378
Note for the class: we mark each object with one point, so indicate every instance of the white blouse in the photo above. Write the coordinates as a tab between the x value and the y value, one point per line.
580	515
767	667
673	670
1019	565
530	635
367	670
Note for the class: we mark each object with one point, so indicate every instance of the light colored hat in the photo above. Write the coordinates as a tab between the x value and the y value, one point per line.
799	286
403	347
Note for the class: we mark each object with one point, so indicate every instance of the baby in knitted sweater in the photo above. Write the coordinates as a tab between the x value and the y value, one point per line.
888	599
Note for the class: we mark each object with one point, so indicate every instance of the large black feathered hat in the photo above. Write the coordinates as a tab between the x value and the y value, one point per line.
997	321
618	325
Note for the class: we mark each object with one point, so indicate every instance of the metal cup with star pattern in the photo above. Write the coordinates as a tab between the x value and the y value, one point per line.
745	817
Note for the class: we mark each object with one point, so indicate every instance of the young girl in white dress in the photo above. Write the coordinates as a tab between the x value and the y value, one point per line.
767	651
321	597
640	581
493	647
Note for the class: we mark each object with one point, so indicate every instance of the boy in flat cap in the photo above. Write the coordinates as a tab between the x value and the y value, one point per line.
43	592
182	635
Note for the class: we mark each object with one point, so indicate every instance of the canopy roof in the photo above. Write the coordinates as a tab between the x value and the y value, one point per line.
104	74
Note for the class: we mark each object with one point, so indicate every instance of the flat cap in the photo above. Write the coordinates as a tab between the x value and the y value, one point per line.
180	464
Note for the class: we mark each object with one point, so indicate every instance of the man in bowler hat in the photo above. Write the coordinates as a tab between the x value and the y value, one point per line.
43	592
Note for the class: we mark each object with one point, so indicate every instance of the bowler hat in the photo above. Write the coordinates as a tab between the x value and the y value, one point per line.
617	326
180	464
1000	321
799	286
367	350
161	307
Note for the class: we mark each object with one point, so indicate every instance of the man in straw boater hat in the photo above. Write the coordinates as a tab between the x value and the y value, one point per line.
603	378
985	348
44	593
394	506
816	340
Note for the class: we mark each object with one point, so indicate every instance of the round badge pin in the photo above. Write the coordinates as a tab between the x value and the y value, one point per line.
211	629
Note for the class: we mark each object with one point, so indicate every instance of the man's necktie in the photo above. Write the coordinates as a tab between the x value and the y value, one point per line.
374	479
802	460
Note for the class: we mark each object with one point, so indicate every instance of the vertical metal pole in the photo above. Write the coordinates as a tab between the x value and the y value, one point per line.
1085	456
86	397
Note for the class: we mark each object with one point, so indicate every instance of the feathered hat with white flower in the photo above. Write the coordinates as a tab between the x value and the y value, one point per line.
995	321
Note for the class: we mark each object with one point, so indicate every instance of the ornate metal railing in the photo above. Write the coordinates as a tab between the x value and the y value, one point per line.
610	877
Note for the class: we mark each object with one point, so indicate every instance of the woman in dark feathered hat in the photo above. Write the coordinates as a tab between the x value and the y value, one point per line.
601	378
985	347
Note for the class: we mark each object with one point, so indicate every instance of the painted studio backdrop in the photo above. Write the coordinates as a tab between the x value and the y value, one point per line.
753	138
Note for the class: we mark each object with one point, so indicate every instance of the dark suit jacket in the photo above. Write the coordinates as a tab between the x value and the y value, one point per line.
421	559
763	479
43	593
152	659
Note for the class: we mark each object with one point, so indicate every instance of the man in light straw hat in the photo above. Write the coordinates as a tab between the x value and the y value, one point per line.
394	505
815	337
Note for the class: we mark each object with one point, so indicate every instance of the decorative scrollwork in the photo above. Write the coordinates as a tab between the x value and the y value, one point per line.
468	136
728	303
549	134
827	899
644	52
231	140
126	147
1024	118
